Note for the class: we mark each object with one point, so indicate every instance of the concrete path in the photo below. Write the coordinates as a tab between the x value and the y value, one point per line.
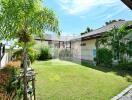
125	94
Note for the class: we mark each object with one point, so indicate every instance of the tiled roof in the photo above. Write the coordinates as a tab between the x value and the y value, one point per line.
49	37
103	29
96	33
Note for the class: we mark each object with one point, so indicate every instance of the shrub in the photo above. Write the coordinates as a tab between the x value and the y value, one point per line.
55	52
14	64
10	85
104	57
7	80
32	54
44	53
125	66
65	54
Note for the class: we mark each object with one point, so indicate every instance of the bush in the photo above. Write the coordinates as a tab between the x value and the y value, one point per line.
14	64
10	84
104	57
125	66
32	54
65	54
55	52
8	80
44	53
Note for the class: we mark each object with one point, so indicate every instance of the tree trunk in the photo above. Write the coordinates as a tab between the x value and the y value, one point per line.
25	71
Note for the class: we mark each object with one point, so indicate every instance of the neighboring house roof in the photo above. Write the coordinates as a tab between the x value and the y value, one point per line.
98	32
49	37
90	35
128	3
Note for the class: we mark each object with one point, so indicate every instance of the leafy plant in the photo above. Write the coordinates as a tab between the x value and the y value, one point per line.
65	54
32	54
125	66
114	40
14	64
8	80
23	19
104	57
44	53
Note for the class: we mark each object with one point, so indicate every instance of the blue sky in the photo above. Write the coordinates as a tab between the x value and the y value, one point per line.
75	15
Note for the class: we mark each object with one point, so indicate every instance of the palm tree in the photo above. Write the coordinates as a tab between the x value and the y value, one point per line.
22	19
114	40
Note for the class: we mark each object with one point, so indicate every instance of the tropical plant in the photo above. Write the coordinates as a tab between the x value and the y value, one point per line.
8	81
32	54
65	54
104	57
114	40
44	53
23	19
125	66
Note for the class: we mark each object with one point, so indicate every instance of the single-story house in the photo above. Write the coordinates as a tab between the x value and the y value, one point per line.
56	41
83	47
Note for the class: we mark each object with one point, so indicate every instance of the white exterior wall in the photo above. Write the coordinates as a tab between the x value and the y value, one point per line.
4	60
45	43
76	49
84	52
87	51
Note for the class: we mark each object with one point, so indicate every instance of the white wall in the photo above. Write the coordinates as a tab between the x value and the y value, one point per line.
4	60
76	49
84	52
87	51
44	43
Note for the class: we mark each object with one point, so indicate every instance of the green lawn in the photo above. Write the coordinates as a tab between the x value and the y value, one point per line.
62	80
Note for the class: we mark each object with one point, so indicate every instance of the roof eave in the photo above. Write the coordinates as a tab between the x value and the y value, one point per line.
128	3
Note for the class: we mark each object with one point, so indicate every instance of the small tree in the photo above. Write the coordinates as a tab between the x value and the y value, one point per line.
114	40
23	19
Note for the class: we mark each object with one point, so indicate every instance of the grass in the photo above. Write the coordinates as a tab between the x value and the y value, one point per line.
62	80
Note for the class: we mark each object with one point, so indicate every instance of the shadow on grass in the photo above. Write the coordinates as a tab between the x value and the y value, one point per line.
44	59
124	73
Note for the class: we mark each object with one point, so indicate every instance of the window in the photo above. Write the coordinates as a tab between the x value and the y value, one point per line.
130	49
83	44
130	45
94	52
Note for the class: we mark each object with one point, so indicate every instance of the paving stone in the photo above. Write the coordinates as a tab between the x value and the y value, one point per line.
125	98
125	94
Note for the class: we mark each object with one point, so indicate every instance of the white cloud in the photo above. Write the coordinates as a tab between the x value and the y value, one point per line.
79	6
66	34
